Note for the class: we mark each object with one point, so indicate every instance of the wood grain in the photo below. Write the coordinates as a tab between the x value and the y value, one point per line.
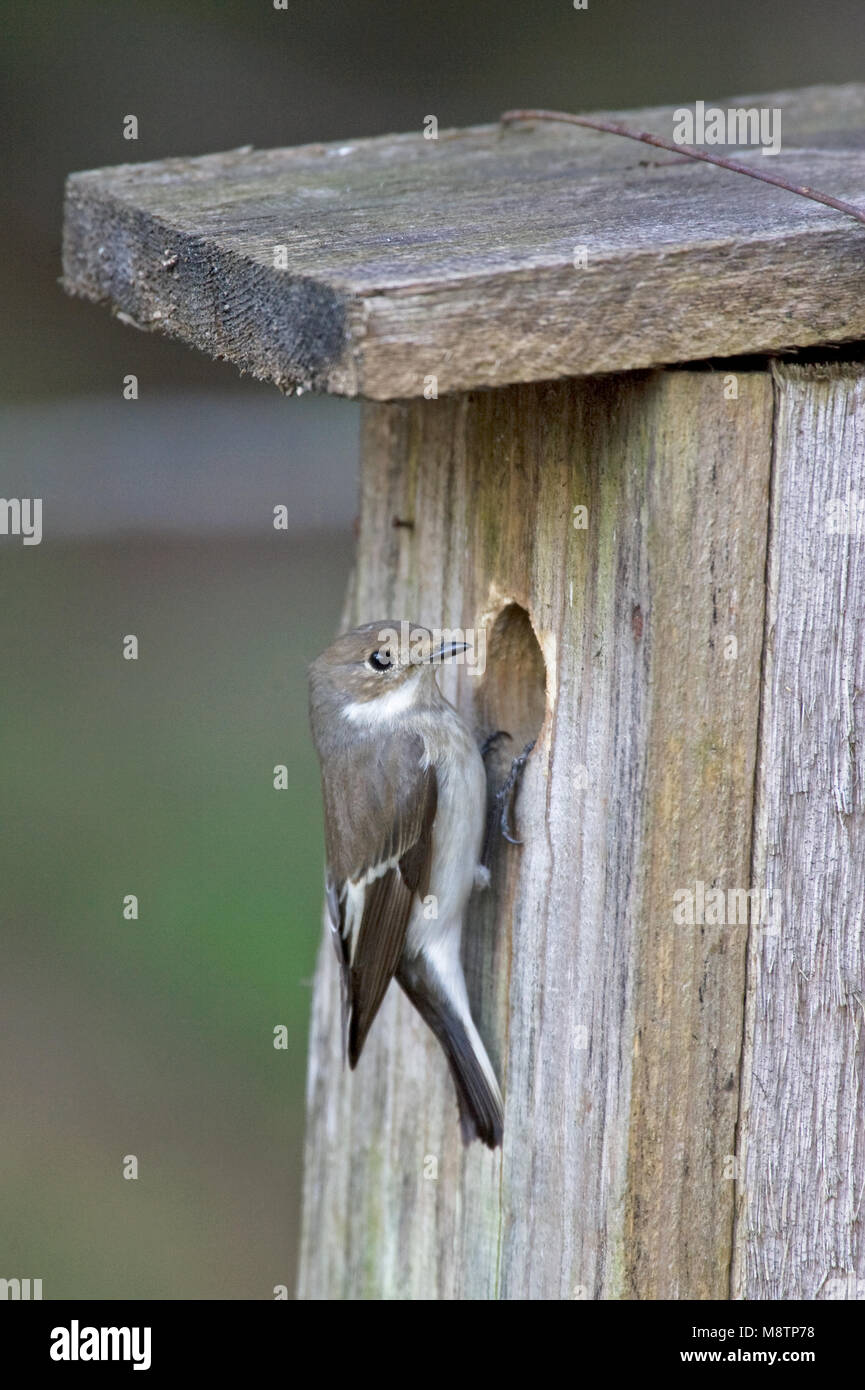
407	258
707	503
801	1144
596	1009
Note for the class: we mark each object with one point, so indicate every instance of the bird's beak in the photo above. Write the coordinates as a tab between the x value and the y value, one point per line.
451	649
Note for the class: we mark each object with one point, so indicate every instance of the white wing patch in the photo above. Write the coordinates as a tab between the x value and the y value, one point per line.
354	896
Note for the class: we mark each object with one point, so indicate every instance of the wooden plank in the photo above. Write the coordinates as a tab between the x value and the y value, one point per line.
801	1145
708	507
408	258
595	1008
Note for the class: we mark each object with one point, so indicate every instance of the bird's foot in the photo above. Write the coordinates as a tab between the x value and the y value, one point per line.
507	792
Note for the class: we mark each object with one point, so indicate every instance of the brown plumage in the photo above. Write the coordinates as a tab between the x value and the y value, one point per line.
404	797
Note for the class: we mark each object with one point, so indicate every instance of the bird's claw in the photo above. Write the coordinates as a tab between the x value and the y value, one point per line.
505	794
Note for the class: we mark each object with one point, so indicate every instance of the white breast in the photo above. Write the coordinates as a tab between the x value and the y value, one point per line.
457	830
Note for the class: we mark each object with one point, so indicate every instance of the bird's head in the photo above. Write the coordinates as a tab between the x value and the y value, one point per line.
379	669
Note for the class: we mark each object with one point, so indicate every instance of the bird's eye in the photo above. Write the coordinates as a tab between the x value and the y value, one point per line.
379	661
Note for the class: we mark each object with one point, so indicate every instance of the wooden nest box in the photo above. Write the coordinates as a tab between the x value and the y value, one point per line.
666	555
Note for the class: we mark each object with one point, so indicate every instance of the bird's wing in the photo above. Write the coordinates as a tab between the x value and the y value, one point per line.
379	848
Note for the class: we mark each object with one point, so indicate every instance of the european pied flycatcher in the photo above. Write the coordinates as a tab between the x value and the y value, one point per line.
404	809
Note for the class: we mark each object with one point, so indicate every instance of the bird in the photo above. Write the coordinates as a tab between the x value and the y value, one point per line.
404	793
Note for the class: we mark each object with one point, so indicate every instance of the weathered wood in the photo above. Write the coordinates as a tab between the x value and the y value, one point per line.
707	507
616	1033
801	1142
408	258
683	1098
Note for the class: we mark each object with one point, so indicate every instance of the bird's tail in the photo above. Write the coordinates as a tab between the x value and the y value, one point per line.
478	1095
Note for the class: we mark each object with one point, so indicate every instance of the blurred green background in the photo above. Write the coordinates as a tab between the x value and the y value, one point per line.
155	1037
